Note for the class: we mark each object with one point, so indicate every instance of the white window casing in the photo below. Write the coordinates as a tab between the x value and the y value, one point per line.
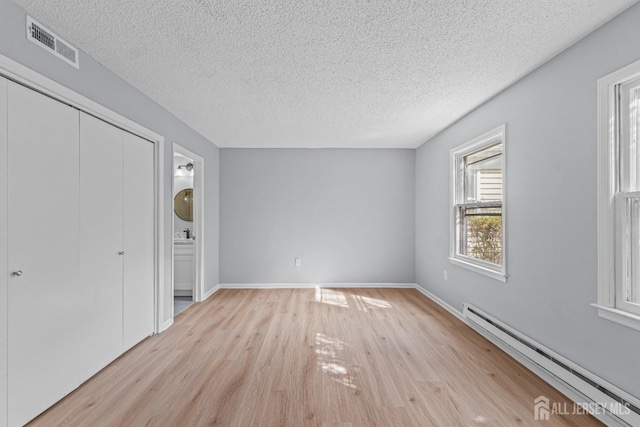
488	186
619	197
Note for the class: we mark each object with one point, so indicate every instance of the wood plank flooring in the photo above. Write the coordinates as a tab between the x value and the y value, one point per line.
312	357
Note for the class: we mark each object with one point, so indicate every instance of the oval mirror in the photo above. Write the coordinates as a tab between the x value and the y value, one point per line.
183	204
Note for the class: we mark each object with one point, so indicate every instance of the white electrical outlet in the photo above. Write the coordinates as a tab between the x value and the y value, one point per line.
298	262
445	275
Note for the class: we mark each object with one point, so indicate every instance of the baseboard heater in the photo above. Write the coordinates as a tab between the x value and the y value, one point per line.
619	407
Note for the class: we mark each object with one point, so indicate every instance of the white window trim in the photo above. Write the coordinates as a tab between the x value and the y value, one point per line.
608	184
488	269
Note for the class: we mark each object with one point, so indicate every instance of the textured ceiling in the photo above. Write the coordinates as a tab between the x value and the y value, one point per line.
322	73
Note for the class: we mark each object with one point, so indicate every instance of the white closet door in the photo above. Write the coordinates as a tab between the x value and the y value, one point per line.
45	333
138	239
101	244
3	252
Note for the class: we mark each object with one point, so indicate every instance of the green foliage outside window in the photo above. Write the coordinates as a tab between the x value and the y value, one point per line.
484	238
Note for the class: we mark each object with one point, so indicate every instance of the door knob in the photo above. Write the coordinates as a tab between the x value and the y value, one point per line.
16	273
121	253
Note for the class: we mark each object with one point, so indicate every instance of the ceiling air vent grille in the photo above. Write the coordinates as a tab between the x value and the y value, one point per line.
49	41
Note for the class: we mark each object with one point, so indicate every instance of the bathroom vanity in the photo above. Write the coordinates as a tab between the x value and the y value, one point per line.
183	267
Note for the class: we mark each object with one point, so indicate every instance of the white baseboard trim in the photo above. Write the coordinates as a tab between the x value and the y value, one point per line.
166	325
441	303
210	292
569	390
182	293
314	285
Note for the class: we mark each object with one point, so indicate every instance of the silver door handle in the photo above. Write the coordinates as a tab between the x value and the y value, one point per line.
16	273
121	253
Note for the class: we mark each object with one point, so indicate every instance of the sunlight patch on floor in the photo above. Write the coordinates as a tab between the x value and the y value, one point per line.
480	419
329	296
366	303
328	350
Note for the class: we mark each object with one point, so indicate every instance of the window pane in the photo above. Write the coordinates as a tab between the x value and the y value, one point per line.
483	175
634	127
629	134
482	234
633	291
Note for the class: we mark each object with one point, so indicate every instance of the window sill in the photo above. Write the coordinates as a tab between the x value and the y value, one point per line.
619	316
498	275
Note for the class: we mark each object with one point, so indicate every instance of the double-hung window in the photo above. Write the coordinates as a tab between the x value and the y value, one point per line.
477	204
619	196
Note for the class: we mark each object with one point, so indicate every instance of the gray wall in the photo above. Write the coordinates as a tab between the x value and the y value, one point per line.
99	84
551	196
349	214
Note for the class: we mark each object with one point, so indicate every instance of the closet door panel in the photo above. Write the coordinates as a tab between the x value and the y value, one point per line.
101	261
138	239
3	252
45	332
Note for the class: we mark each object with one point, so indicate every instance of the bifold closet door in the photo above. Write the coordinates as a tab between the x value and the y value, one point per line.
139	241
46	332
101	236
4	275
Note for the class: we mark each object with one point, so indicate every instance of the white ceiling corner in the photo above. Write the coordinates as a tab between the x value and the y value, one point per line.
309	73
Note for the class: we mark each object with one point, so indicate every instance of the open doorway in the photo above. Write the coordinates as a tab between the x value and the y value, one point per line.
187	191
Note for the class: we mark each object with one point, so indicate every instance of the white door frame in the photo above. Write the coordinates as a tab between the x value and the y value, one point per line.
36	81
198	221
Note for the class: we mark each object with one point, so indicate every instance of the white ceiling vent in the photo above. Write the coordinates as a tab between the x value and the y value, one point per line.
47	40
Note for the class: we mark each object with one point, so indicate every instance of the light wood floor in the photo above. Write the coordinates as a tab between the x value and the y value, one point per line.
305	357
